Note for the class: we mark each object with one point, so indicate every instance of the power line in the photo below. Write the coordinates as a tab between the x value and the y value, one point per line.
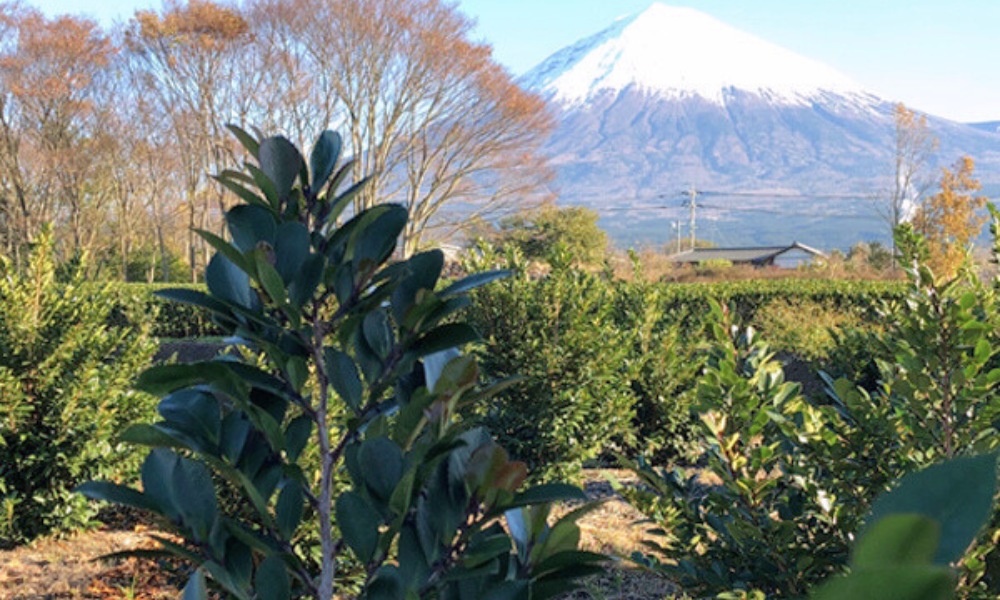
784	195
784	213
770	211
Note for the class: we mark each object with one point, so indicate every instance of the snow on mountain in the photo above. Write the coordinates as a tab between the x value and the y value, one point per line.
672	98
679	52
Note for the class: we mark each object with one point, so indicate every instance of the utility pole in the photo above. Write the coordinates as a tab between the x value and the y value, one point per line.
676	226
693	199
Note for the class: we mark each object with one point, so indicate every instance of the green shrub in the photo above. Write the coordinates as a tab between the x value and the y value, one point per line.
666	359
136	304
539	233
678	303
557	335
65	392
715	265
804	328
856	353
352	369
787	482
759	516
917	532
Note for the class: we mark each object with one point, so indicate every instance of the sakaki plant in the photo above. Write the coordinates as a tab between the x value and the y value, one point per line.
350	370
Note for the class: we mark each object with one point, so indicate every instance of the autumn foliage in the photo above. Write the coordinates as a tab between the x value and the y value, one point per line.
949	219
114	135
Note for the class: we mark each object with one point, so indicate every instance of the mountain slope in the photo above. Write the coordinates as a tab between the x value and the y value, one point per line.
672	98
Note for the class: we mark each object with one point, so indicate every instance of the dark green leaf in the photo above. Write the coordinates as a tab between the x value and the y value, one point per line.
386	585
271	281
193	412
303	286
898	539
271	580
958	494
195	588
160	380
228	282
194	298
381	462
378	333
445	337
243	192
193	493
898	583
341	202
296	436
509	590
359	523
324	158
546	494
423	271
250	226
266	186
288	511
472	282
226	249
281	162
291	248
344	377
157	473
248	141
118	494
378	239
149	435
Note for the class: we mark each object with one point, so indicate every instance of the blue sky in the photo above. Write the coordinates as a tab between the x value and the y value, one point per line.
940	57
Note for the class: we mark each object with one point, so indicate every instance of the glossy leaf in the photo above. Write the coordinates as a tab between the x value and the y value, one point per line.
281	162
324	158
272	581
359	524
957	494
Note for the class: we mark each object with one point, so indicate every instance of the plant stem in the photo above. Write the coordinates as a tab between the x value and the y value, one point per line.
327	463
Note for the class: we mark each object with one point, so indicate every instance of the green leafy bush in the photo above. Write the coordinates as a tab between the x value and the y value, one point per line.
65	392
786	481
666	358
916	533
682	303
809	330
558	335
543	231
137	304
353	370
759	517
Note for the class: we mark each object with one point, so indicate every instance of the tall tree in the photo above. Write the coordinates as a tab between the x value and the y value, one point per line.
50	124
189	56
949	218
915	146
429	115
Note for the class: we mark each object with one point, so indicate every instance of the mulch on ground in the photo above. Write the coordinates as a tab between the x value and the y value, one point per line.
71	567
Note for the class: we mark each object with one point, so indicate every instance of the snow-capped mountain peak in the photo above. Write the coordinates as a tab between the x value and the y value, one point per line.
680	52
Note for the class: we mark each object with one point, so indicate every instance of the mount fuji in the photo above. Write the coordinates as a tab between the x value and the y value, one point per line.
672	98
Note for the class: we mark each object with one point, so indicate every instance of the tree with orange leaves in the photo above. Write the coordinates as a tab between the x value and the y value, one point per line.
949	219
188	60
51	125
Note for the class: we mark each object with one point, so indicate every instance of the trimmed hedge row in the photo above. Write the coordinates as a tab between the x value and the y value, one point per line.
171	319
746	297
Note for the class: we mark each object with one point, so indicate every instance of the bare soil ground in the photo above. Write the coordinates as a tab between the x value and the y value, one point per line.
69	567
61	568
